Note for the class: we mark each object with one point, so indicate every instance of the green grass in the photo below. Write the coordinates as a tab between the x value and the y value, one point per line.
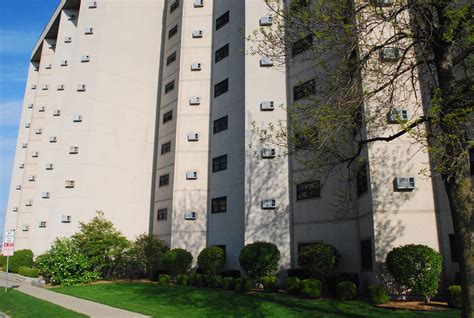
184	301
19	305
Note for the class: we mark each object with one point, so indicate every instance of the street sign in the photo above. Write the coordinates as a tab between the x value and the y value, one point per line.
8	248
10	233
7	252
9	239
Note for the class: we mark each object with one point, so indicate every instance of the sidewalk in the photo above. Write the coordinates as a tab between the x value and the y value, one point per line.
86	307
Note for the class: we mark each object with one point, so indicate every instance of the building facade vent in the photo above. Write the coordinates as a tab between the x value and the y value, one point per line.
269	204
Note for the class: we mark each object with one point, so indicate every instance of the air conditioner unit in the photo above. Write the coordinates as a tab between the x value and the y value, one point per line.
33	86
197	34
73	150
267	105
35	154
45	87
24	145
89	30
196	67
85	58
268	204
25	228
92	4
48	66
193	136
191	175
66	219
53	139
38	131
42	109
77	118
397	115
27	125
52	46
266	21
29	203
67	39
49	166
195	100
60	87
71	17
404	183
268	153
81	87
21	166
18	187
69	184
266	61
30	106
57	112
64	63
42	224
31	178
383	3
191	215
15	209
389	54
198	3
45	195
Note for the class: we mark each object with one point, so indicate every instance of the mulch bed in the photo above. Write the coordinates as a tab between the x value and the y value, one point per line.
416	305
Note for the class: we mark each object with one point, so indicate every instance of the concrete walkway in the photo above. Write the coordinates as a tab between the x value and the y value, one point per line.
86	307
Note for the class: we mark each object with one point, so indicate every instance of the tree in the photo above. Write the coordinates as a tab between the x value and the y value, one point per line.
371	58
211	260
146	255
102	244
259	259
177	261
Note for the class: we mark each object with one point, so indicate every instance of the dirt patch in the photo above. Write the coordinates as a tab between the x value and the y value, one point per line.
416	305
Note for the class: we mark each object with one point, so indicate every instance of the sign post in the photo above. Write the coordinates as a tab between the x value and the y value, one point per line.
8	248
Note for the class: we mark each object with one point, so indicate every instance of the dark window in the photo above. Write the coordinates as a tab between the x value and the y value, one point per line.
222	20
219	205
221	87
162	214
471	160
304	90
174	5
164	180
171	58
173	32
301	45
222	247
219	163
366	254
222	53
169	87
308	190
453	248
220	124
167	116
166	147
361	179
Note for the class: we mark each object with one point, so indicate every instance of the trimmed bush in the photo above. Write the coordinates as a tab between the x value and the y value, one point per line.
270	284
192	279
164	279
310	288
215	281
333	279
378	295
200	280
454	296
298	272
243	285
418	267
182	279
28	272
318	259
346	290
259	259
177	261
293	285
230	273
19	258
228	283
211	260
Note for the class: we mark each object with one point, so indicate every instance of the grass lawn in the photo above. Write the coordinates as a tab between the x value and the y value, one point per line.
184	301
19	305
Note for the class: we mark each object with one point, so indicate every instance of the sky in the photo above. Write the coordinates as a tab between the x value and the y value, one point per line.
21	23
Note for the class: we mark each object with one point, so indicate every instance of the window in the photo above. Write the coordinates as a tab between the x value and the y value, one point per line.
169	87
166	147
366	254
162	214
221	88
219	205
168	116
222	53
174	5
164	180
361	179
173	31
171	58
220	124
222	20
453	248
308	190
471	161
304	90
219	163
301	45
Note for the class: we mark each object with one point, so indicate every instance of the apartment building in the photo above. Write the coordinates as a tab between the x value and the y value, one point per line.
146	110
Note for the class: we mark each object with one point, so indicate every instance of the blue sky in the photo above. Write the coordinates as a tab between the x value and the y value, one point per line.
21	23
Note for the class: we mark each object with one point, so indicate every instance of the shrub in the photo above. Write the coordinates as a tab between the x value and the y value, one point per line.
270	284
293	285
19	258
243	285
310	288
192	279
454	297
234	273
318	259
259	259
228	283
418	267
182	279
177	261
298	272
346	290
211	260
28	272
201	280
164	279
215	281
65	265
378	295
332	280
